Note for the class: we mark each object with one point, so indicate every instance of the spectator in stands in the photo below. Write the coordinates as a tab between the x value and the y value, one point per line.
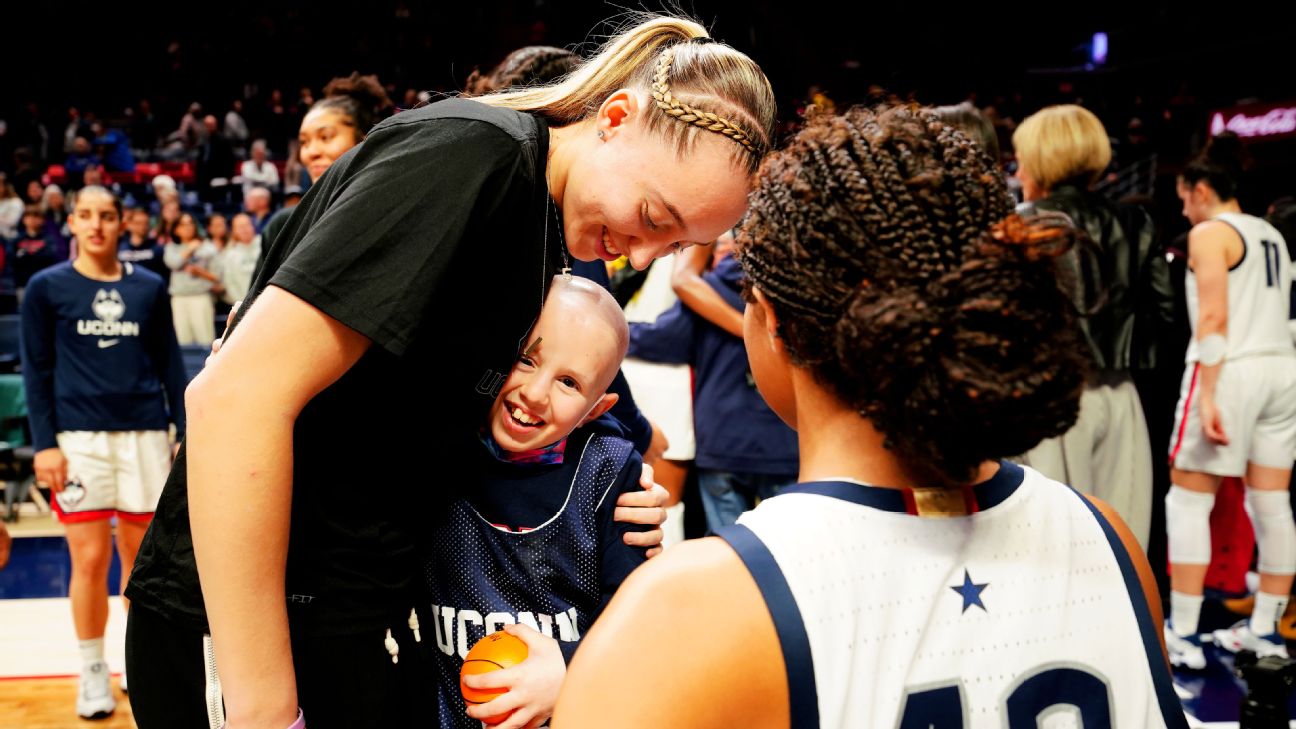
145	133
215	156
192	133
81	157
114	148
54	204
257	205
292	196
258	171
32	133
190	259
11	208
33	192
238	260
138	246
93	174
164	188
1122	281
32	236
218	230
294	172
75	128
305	99
235	130
168	217
35	248
278	123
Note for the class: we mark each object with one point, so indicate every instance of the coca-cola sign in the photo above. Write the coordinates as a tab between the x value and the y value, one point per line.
1256	123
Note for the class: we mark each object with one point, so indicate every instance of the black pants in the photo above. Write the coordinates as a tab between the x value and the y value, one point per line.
343	682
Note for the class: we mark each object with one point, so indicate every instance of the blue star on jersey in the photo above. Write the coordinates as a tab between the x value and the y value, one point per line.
970	592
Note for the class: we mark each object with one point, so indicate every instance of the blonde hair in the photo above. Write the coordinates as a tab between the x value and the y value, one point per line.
699	86
1059	143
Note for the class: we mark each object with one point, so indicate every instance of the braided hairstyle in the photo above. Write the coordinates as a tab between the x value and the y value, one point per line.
698	85
885	243
526	66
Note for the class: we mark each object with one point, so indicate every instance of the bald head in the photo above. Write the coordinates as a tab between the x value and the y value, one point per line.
582	298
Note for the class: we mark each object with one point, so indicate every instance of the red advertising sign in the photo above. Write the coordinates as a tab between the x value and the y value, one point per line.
1257	123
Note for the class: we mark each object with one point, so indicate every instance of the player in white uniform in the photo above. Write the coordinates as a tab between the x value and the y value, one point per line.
1237	410
914	334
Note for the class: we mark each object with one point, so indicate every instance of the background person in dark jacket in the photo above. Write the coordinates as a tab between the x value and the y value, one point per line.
744	451
1122	282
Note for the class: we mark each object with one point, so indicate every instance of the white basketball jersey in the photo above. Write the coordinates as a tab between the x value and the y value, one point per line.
1027	613
1259	292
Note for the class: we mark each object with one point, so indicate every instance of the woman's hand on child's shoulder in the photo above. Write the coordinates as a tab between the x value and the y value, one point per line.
533	685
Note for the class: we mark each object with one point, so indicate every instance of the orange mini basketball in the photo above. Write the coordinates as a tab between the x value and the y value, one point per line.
492	653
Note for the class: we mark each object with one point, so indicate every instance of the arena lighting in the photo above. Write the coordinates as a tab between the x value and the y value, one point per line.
1257	123
1098	49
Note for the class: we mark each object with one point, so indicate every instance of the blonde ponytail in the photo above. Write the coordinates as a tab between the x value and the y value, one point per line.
700	86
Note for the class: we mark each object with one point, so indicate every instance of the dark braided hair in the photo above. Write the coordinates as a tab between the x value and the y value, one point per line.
886	245
362	100
527	66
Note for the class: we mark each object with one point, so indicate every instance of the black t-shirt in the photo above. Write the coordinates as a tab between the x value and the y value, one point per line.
432	238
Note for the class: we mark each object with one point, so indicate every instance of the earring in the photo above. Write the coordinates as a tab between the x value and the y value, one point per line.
600	134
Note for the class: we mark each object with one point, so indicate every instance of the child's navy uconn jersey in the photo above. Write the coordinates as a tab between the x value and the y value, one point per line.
554	577
99	355
1026	613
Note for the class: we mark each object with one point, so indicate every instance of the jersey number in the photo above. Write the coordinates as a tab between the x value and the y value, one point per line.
1045	692
1272	268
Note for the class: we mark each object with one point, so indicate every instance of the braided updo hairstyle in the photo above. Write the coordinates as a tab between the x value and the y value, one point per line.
886	245
526	66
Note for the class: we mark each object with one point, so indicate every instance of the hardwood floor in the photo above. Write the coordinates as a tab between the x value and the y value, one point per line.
50	703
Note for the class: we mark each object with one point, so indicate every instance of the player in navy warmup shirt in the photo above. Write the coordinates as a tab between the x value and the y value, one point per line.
104	380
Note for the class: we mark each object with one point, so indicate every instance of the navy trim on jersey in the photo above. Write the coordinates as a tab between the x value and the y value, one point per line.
1240	237
1171	710
803	696
989	493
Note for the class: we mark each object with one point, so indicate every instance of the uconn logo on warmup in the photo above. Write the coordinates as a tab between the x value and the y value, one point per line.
109	308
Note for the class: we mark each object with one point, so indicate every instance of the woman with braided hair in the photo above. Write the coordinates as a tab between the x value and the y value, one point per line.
527	66
303	493
915	334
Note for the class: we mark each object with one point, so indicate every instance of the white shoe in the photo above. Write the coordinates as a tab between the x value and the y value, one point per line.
1240	638
1184	651
95	698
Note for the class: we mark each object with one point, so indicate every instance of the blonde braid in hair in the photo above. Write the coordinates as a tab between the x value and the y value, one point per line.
687	114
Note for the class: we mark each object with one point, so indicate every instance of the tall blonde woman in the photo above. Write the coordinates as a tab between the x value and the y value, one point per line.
402	288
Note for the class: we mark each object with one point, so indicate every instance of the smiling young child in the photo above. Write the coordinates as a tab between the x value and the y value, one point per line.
532	548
